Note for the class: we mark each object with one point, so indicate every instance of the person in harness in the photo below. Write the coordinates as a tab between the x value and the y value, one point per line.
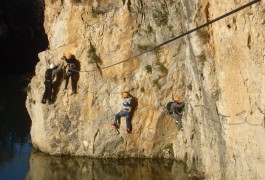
175	110
49	76
125	111
71	71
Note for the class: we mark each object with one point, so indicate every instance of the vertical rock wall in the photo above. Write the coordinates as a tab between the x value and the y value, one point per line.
219	70
225	112
99	35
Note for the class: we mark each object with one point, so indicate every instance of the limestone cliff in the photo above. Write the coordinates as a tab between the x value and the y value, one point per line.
101	34
219	70
224	85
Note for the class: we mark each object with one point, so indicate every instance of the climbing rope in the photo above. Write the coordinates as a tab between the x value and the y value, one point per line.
178	37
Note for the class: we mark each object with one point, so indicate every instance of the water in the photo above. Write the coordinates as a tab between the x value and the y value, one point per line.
24	162
16	165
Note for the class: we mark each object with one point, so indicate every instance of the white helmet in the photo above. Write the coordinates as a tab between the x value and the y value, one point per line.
51	66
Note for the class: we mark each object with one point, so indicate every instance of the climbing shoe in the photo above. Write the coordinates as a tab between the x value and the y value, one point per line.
115	125
73	92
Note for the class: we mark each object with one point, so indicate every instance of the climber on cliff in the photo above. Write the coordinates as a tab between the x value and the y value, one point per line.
49	76
71	71
125	111
175	110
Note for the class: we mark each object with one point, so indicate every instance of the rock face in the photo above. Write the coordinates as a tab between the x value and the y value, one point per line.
101	35
219	70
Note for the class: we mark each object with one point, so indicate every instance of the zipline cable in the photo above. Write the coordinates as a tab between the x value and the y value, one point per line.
180	36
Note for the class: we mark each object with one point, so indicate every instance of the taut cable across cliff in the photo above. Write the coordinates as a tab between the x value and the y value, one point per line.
178	37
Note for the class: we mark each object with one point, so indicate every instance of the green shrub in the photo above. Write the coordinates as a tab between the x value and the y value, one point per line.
170	27
202	59
169	146
149	29
93	55
186	157
161	15
142	89
96	12
203	35
162	68
193	165
155	82
148	68
143	47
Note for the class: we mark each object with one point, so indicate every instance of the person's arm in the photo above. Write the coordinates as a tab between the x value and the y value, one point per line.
173	106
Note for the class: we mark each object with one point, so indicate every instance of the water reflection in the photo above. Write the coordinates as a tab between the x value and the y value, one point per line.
15	164
14	119
43	166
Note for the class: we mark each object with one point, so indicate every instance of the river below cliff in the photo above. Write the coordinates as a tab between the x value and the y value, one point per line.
24	162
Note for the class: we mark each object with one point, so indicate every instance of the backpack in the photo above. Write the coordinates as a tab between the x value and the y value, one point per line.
179	110
71	66
48	74
168	106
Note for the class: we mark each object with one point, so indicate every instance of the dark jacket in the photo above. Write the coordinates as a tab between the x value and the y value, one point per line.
71	63
176	108
50	73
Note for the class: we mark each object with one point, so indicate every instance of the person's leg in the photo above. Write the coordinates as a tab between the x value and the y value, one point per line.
128	121
73	83
179	120
49	92
45	94
117	118
175	117
66	80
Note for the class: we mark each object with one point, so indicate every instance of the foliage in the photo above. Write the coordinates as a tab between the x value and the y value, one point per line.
161	15
193	167
170	27
202	59
189	87
148	68
203	35
149	29
155	82
142	89
93	55
96	12
162	68
185	157
143	47
170	148
26	89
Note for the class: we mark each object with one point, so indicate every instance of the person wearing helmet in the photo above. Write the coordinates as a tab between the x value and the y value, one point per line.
71	71
175	110
49	76
125	111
